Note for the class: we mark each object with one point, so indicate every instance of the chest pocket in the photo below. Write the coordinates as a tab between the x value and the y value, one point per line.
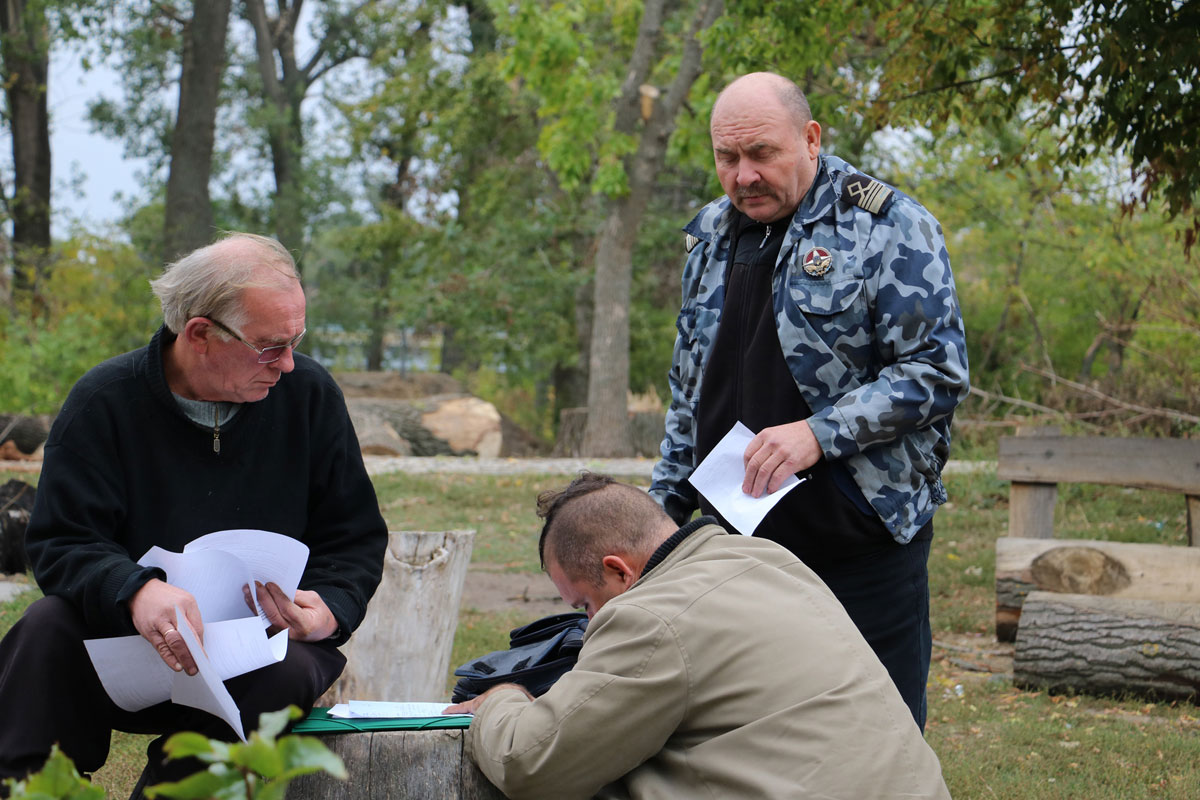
824	298
836	310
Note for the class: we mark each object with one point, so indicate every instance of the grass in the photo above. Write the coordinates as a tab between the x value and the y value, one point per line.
995	742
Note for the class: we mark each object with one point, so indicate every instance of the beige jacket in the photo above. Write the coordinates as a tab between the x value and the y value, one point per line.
727	671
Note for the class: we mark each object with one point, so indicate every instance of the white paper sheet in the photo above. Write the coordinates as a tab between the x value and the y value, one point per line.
204	690
719	478
213	568
374	709
135	676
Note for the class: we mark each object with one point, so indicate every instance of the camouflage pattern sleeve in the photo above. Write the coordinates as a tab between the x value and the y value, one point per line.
911	355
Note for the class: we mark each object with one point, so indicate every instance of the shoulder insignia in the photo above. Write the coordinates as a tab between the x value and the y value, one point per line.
866	193
690	242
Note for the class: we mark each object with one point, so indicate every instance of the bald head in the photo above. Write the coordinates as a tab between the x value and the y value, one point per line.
757	89
765	144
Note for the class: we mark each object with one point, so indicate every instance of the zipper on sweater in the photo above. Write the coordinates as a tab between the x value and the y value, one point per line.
766	236
216	429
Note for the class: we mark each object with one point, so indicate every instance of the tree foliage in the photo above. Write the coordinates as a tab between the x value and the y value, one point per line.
1104	75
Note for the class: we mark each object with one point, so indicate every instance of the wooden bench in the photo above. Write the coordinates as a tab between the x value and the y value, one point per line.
1097	615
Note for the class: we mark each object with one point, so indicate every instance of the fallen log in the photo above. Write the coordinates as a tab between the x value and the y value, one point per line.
1085	566
1109	645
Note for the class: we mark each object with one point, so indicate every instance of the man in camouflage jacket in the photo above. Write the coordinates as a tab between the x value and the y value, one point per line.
858	312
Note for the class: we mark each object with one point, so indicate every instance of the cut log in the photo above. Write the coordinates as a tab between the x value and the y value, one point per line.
398	765
1109	645
1085	566
401	652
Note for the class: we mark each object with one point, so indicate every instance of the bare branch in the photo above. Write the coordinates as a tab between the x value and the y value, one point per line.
1109	399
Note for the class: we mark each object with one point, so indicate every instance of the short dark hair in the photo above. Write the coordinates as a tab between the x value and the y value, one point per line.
594	516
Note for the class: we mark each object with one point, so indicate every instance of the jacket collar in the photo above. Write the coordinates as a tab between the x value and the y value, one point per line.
674	540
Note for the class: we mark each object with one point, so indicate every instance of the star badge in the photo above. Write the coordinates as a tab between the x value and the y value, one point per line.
817	262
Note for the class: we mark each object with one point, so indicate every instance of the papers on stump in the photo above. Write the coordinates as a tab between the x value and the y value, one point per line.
372	709
719	478
213	568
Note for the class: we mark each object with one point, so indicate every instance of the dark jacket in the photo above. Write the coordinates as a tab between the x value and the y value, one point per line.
125	469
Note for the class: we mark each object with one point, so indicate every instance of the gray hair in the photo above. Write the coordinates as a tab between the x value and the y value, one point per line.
209	282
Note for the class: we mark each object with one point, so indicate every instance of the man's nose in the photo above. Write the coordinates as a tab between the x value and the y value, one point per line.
287	361
747	173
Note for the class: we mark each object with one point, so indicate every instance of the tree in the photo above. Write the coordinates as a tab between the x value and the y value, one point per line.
188	215
25	50
345	33
1104	74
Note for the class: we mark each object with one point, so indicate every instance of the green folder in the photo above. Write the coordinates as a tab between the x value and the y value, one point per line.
319	721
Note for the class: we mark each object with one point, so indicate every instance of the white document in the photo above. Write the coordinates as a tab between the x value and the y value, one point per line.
719	478
360	709
204	690
214	569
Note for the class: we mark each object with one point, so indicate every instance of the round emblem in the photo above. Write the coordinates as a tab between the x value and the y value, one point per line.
818	261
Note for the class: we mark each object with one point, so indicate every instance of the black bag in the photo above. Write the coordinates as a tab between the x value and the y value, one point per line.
538	654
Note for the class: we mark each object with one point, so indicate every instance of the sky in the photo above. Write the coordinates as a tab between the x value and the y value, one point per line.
88	170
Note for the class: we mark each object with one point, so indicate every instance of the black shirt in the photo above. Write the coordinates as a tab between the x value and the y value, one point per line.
826	517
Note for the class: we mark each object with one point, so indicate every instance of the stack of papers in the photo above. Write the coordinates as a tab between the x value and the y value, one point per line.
373	709
213	568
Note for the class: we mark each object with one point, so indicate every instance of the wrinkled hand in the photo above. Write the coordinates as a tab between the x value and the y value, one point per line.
307	618
777	452
153	612
470	706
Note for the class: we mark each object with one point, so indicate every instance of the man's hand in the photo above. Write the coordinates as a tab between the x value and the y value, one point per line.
469	706
153	612
307	618
775	453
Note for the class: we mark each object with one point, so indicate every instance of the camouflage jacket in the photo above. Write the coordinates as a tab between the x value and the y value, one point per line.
871	330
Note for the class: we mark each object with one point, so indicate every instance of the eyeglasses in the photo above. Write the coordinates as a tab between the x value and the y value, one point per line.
266	355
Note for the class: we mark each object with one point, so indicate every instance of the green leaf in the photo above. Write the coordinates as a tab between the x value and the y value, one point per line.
309	754
187	745
272	723
201	785
258	755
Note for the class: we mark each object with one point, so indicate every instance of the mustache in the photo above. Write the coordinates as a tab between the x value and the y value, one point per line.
756	189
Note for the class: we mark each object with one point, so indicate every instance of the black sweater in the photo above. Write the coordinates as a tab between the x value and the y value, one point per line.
125	469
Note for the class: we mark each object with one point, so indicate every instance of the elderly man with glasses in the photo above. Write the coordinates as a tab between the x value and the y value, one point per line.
218	423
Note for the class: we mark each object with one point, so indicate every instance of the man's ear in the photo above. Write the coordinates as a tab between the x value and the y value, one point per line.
196	333
623	569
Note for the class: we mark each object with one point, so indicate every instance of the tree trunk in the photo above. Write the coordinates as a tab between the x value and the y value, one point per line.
274	40
188	217
607	431
401	652
25	48
1109	645
1118	569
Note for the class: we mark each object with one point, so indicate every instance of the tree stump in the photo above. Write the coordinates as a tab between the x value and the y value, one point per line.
401	652
398	765
645	430
1109	645
1083	566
